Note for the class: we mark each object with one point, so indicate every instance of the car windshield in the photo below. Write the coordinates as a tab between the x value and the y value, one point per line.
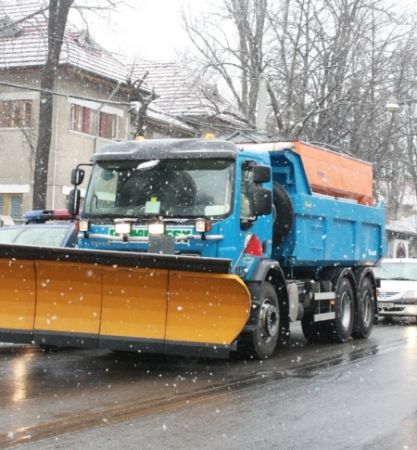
44	236
163	188
396	270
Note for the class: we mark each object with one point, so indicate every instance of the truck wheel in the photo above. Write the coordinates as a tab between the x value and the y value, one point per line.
366	310
341	328
314	331
284	214
262	341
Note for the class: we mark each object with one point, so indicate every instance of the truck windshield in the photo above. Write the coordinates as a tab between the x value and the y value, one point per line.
164	188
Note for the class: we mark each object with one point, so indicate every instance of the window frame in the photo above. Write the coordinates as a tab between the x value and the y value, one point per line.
104	124
16	113
7	208
82	119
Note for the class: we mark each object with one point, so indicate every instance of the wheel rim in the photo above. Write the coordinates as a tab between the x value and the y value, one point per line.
269	320
367	308
346	304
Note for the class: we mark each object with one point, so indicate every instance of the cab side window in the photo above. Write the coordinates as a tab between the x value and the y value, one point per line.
245	202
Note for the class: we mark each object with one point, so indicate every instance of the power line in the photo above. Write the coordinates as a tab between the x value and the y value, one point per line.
189	120
61	94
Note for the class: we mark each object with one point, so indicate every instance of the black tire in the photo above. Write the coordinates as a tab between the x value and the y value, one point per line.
340	329
284	214
314	331
365	311
262	341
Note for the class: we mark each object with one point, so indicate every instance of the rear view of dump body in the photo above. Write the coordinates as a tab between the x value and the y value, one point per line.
127	301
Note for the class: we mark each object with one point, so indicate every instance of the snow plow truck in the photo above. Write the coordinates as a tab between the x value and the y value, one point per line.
203	247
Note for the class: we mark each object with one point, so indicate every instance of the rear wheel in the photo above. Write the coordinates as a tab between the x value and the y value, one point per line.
284	214
262	341
366	310
340	329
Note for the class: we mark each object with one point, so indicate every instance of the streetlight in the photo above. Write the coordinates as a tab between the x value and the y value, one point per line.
394	106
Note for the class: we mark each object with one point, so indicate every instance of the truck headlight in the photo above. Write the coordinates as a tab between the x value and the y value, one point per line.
83	225
202	226
156	229
123	228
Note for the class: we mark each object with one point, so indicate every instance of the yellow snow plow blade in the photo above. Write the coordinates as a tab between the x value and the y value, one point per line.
17	295
73	297
209	308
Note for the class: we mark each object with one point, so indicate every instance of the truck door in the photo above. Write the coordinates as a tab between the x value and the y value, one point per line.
255	231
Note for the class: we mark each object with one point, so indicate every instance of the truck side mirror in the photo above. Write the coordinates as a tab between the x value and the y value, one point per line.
261	174
77	176
261	201
74	200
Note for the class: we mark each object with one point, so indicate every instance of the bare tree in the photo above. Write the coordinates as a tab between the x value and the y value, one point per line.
331	67
143	99
57	20
237	58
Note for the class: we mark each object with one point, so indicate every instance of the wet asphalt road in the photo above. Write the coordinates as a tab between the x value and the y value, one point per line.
359	395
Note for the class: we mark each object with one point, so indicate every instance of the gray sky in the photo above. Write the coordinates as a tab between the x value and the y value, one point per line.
150	29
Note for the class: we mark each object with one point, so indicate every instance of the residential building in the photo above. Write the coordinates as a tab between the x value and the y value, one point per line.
92	105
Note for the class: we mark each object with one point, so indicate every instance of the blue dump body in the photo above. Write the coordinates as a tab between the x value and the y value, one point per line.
326	231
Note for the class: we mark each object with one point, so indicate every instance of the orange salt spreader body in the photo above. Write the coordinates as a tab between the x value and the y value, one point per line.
335	174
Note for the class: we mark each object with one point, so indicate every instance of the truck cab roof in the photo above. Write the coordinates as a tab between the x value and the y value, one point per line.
167	149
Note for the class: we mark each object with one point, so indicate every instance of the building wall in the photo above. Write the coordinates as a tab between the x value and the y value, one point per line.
401	244
17	144
68	147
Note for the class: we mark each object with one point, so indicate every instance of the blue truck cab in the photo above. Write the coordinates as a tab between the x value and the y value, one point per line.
303	256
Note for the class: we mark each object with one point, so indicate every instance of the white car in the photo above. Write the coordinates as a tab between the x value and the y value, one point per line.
397	291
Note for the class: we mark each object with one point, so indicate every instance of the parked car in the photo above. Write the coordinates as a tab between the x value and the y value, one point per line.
44	229
397	291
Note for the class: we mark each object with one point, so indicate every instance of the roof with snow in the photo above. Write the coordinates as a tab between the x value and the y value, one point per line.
405	225
157	114
19	9
182	94
28	46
